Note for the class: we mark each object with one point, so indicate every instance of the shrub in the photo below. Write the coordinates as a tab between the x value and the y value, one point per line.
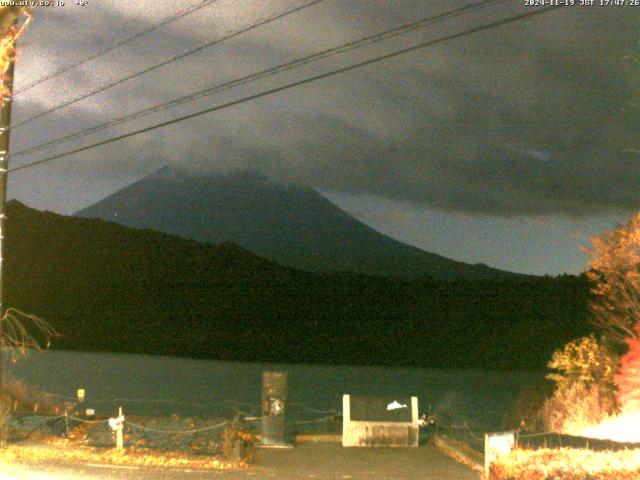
237	445
566	464
524	413
627	380
585	389
572	408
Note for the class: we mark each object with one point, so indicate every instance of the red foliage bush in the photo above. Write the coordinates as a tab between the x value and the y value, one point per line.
628	377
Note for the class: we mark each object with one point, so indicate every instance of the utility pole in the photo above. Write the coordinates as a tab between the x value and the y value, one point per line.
5	125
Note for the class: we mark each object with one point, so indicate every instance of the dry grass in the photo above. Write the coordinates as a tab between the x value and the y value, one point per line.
60	450
37	447
567	464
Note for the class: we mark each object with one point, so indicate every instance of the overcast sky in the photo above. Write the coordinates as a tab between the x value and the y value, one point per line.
509	147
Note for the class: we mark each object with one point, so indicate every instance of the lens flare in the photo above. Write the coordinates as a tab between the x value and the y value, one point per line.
622	428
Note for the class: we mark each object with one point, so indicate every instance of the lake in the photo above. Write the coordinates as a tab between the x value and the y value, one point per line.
157	385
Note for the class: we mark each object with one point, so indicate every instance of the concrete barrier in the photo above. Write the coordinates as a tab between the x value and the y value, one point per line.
379	422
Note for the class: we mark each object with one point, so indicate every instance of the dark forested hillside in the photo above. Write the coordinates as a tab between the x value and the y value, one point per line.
108	287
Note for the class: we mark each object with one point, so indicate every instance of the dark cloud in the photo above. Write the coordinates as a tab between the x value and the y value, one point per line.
528	118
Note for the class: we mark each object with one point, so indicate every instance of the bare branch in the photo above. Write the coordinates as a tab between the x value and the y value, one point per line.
22	332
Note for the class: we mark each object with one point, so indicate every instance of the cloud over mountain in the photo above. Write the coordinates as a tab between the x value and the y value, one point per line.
528	118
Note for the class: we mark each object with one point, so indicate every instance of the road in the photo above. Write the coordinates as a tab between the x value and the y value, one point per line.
307	461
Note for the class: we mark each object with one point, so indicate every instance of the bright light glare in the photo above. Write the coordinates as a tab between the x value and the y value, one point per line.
623	428
16	472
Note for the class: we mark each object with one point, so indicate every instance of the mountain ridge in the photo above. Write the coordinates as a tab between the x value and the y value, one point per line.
290	224
107	287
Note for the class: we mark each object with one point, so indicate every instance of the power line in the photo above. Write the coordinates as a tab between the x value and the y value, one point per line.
175	58
371	39
314	78
152	28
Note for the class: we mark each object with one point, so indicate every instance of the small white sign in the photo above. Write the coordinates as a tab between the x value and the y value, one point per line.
501	443
495	444
276	407
116	423
90	412
395	405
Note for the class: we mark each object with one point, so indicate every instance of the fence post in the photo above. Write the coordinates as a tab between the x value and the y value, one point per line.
119	442
66	422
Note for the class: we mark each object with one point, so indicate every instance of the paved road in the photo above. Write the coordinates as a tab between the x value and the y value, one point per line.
307	461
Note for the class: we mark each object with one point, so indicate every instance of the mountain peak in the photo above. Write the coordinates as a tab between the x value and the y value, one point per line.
290	224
